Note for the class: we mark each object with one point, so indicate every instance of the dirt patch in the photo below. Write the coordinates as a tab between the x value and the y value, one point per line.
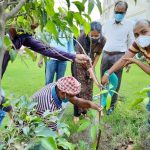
106	140
144	141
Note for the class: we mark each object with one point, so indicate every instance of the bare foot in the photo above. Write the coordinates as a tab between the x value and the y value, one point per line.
75	120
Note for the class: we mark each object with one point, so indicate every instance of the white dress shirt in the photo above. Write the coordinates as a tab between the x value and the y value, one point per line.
119	37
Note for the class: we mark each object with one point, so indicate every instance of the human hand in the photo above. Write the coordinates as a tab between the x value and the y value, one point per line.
104	79
128	67
129	61
40	63
81	58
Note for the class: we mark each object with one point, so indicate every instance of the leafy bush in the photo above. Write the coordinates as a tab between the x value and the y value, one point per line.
30	132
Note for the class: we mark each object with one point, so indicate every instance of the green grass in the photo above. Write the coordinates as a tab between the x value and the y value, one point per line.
26	78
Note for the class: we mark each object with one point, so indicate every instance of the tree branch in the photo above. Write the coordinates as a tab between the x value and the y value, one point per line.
12	3
15	10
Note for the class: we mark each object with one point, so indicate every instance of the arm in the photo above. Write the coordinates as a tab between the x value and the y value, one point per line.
37	46
95	60
118	65
143	66
81	103
92	75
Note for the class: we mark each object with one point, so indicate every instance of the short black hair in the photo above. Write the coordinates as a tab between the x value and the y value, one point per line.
95	25
119	2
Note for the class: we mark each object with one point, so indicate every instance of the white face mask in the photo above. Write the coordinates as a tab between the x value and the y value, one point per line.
143	41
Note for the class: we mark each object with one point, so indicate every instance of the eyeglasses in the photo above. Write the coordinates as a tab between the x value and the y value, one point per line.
118	12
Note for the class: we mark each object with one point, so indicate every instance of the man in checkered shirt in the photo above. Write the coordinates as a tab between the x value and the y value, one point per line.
53	95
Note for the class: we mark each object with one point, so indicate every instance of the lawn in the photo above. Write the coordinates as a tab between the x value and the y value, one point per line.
23	77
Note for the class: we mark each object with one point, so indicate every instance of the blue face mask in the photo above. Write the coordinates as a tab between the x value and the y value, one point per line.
119	17
65	100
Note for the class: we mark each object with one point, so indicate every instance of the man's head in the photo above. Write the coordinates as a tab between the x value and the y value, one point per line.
67	87
142	27
142	33
120	10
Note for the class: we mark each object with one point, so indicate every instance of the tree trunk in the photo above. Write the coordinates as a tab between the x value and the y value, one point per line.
2	33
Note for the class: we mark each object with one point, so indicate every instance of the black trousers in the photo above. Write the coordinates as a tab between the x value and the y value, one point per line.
107	62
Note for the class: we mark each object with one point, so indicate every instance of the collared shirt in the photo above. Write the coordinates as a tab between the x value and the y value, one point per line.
119	37
135	48
47	99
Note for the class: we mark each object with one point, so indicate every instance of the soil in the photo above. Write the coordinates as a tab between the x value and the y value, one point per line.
107	138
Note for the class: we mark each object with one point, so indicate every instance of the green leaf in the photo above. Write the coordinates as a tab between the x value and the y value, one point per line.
49	7
92	113
26	130
84	1
79	5
43	18
99	6
6	104
90	6
75	31
49	144
78	18
135	2
65	144
46	113
87	16
7	41
145	90
31	105
68	3
30	53
2	146
103	92
108	101
86	27
93	132
136	102
69	18
13	55
63	125
45	132
83	126
51	28
27	7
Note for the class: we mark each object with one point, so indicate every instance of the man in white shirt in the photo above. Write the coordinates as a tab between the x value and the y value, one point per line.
119	36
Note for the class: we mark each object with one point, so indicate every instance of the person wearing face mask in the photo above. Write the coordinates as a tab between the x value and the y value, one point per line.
141	45
119	36
93	44
53	95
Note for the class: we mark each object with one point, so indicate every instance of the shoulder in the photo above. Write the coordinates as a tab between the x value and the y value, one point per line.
43	91
129	23
82	36
108	22
134	48
102	41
